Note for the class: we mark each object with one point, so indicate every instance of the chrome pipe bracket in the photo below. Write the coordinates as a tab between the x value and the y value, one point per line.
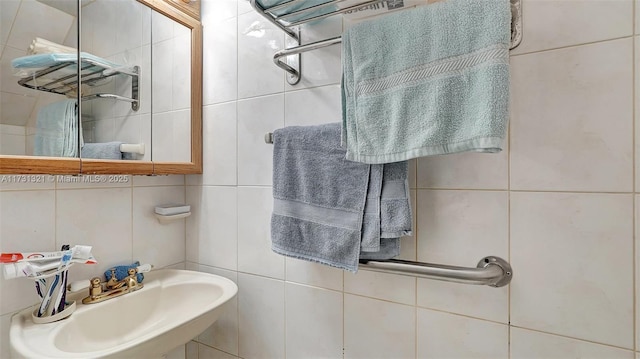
516	23
293	64
135	89
507	272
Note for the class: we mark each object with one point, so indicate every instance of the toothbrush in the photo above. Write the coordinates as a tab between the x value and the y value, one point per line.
47	298
64	263
58	305
62	291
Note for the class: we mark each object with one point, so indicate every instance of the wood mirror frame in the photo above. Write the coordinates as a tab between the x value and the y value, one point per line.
74	166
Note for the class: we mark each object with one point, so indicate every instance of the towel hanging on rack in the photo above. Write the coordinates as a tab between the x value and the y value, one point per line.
441	88
57	130
330	210
360	8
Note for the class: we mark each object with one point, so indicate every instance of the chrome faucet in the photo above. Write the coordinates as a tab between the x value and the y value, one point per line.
100	291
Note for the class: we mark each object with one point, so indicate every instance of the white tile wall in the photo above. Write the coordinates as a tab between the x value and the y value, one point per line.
530	344
220	73
559	100
219	151
323	339
212	233
321	99
566	248
313	274
261	317
254	243
12	138
378	329
256	117
442	335
557	202
257	75
555	24
162	245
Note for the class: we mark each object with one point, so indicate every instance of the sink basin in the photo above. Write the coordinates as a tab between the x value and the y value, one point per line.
173	307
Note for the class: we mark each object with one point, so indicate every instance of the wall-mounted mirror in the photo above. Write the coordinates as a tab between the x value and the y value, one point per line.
133	105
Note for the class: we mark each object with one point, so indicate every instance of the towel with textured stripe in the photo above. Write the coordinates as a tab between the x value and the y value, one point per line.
330	210
427	81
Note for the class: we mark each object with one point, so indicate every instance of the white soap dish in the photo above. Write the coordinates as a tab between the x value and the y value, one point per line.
171	209
170	218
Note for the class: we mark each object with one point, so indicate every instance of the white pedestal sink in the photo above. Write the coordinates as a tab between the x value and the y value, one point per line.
173	307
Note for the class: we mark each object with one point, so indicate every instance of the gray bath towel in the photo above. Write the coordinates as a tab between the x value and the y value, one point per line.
395	205
326	208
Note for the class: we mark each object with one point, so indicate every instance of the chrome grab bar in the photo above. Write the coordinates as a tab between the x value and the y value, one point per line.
492	271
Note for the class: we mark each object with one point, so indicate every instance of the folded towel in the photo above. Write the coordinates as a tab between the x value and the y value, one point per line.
44	46
389	248
104	151
28	66
396	217
328	209
122	272
370	239
387	213
57	132
441	86
266	4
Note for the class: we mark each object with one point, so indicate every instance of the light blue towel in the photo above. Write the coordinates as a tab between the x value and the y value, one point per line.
46	60
266	4
104	151
122	272
57	132
330	210
427	81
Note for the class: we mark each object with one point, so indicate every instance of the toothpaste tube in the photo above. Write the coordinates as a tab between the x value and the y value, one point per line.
39	269
79	251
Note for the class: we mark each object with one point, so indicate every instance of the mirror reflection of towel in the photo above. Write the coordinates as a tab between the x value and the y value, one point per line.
57	130
104	151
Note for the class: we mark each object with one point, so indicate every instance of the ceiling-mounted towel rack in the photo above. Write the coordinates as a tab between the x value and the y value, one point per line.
289	59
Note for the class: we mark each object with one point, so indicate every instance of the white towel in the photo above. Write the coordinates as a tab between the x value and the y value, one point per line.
44	46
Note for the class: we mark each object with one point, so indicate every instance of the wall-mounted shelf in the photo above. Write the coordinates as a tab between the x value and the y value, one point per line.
164	219
61	77
170	212
290	14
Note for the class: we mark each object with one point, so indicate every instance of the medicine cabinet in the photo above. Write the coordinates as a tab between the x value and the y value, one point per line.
100	87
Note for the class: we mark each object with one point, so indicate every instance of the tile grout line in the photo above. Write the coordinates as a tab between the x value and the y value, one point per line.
634	159
574	338
573	45
415	248
509	297
237	29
